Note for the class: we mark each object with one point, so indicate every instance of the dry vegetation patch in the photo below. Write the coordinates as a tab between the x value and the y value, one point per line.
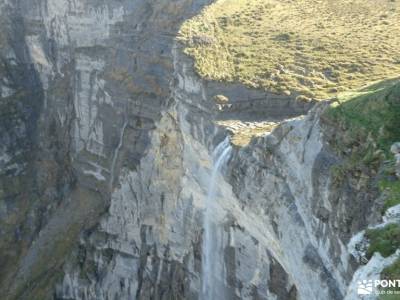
311	48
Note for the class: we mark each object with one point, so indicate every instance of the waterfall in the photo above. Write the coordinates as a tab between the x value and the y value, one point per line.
212	258
116	153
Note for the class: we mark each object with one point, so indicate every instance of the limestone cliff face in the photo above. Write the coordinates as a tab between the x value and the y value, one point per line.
83	84
106	134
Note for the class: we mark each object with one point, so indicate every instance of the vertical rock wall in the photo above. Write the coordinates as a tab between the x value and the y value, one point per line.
105	163
83	83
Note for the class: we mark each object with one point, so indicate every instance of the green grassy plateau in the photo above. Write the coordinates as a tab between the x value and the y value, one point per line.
307	48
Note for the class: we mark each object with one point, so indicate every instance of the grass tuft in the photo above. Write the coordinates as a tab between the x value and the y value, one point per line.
392	190
391	272
384	240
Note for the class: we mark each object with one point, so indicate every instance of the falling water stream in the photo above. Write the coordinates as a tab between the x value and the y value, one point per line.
212	274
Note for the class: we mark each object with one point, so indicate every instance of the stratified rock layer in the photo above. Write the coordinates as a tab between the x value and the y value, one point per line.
106	134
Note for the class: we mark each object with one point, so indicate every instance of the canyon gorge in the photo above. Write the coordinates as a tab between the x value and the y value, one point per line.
118	181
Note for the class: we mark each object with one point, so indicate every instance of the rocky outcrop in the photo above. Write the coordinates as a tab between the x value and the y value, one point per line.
255	104
287	176
105	161
395	149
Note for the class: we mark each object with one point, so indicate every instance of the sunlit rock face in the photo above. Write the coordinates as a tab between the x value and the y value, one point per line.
106	159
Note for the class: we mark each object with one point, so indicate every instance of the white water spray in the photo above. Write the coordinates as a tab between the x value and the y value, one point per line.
212	275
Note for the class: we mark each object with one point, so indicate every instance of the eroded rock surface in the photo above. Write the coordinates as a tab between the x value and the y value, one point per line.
106	134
